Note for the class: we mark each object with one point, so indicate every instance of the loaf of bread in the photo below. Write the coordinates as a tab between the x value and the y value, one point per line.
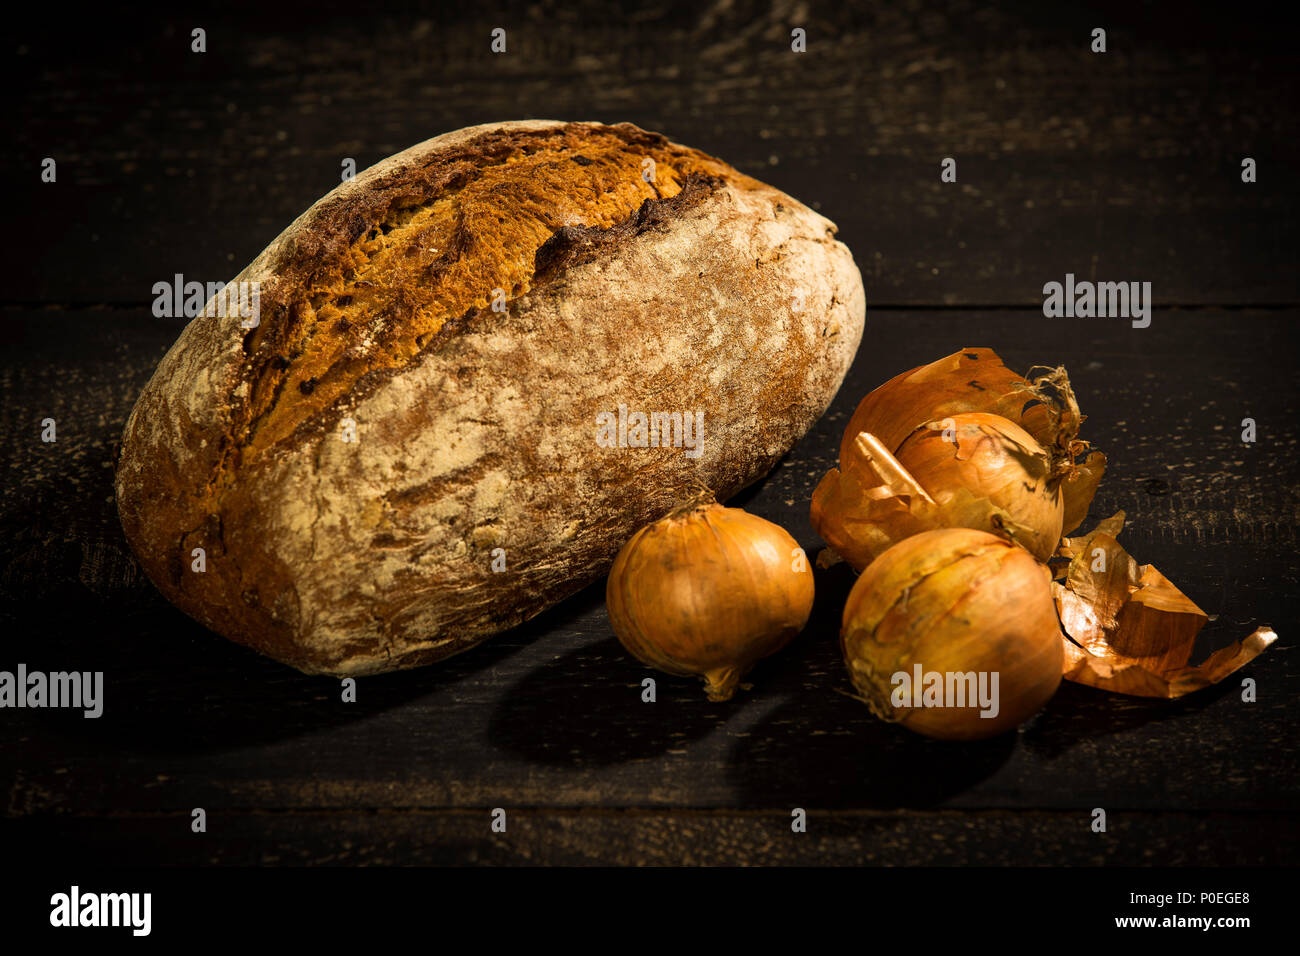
431	434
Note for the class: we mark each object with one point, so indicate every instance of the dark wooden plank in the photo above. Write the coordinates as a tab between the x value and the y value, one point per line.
549	716
677	838
1123	166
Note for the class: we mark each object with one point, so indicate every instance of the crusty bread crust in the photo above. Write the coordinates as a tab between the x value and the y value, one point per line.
726	297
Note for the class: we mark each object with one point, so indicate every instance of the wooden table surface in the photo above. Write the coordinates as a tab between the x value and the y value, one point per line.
1115	166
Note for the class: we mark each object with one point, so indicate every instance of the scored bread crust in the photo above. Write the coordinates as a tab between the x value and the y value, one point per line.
353	558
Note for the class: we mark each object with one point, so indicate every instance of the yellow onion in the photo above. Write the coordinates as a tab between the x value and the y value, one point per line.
993	459
1028	429
708	591
964	605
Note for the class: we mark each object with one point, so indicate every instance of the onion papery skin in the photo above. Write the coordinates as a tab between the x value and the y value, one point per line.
995	459
860	515
709	591
954	600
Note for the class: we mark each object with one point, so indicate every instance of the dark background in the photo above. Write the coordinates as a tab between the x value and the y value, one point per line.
1122	166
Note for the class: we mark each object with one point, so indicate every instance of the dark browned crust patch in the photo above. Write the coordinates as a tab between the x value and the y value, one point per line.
364	287
572	246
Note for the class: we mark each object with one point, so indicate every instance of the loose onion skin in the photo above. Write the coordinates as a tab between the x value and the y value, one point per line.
954	601
992	458
708	591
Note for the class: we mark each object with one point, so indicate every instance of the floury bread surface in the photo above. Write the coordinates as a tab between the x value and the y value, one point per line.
633	271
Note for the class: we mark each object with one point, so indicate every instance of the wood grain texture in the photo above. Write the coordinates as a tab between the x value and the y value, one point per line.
677	838
1122	165
549	717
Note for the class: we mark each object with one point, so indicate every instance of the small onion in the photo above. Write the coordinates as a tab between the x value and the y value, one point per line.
953	602
992	458
873	499
708	591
